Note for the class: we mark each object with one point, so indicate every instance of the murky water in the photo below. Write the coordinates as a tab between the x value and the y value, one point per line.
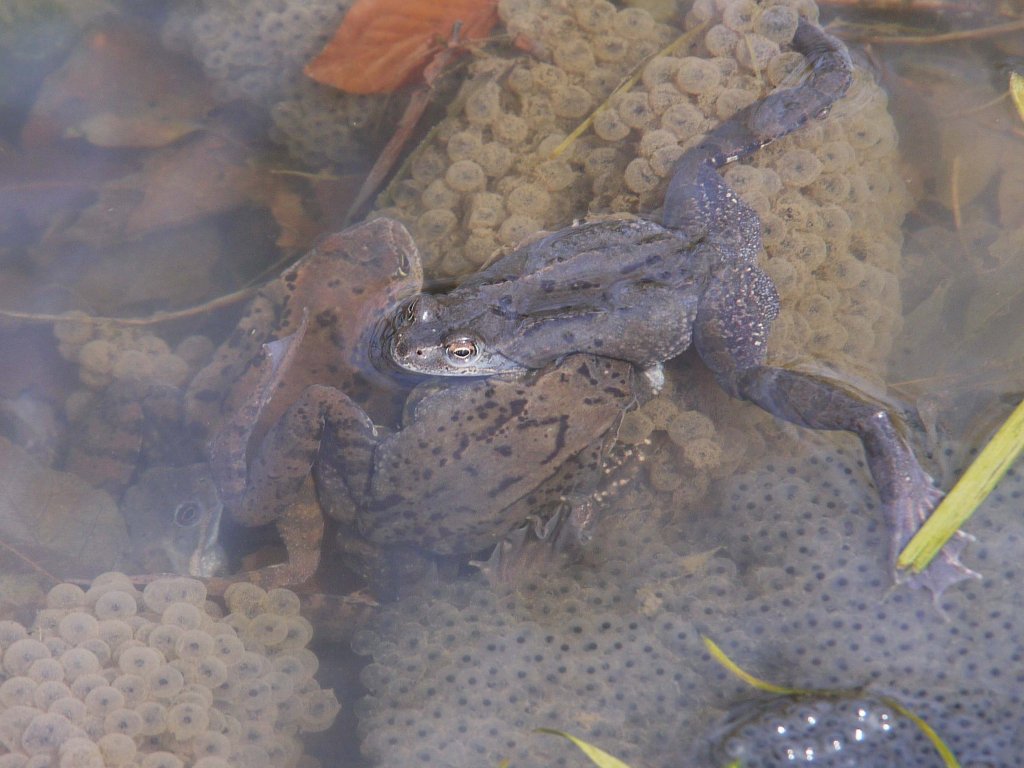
156	161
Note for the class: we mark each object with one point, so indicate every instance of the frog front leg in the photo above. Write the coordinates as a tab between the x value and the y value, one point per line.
731	333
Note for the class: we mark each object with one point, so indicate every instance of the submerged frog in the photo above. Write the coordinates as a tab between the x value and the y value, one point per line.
641	291
469	462
173	516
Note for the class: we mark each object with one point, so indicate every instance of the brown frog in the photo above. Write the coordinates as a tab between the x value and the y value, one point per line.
469	461
346	282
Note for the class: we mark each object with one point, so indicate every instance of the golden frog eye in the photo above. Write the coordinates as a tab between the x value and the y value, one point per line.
462	350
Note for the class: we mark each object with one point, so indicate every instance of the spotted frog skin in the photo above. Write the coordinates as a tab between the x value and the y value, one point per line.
468	462
643	291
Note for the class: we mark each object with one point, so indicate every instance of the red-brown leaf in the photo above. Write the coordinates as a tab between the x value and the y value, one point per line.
383	44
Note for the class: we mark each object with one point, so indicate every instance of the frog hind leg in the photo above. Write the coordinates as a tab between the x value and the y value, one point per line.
697	201
731	333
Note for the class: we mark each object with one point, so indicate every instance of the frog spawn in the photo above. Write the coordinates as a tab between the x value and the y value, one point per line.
821	731
159	678
256	51
788	579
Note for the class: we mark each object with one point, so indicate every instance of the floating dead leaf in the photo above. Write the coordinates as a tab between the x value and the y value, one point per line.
119	88
55	519
383	44
207	175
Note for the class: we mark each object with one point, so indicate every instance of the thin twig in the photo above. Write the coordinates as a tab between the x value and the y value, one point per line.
625	85
29	562
980	33
954	194
908	6
154	319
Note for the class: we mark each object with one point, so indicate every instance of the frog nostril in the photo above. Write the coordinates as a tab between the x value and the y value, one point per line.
400	349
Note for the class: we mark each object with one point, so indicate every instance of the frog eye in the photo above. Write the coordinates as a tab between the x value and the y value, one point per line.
462	350
186	514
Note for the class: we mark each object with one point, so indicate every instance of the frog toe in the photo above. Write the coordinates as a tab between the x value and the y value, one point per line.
906	515
943	572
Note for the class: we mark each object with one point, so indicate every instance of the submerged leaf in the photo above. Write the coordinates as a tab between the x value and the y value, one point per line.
383	44
119	88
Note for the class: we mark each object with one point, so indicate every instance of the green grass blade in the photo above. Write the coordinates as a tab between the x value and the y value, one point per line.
598	757
742	674
948	758
966	496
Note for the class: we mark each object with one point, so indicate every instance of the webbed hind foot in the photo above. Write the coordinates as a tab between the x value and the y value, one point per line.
908	493
916	499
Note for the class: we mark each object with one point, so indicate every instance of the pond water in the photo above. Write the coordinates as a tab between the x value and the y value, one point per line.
161	161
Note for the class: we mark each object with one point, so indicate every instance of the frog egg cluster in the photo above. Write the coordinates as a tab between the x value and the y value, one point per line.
256	51
692	454
108	353
111	676
487	179
788	575
829	196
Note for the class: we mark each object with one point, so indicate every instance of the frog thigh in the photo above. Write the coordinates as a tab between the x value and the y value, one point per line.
733	321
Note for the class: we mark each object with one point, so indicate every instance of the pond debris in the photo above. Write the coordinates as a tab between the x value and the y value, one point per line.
849	31
688	37
382	45
597	756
